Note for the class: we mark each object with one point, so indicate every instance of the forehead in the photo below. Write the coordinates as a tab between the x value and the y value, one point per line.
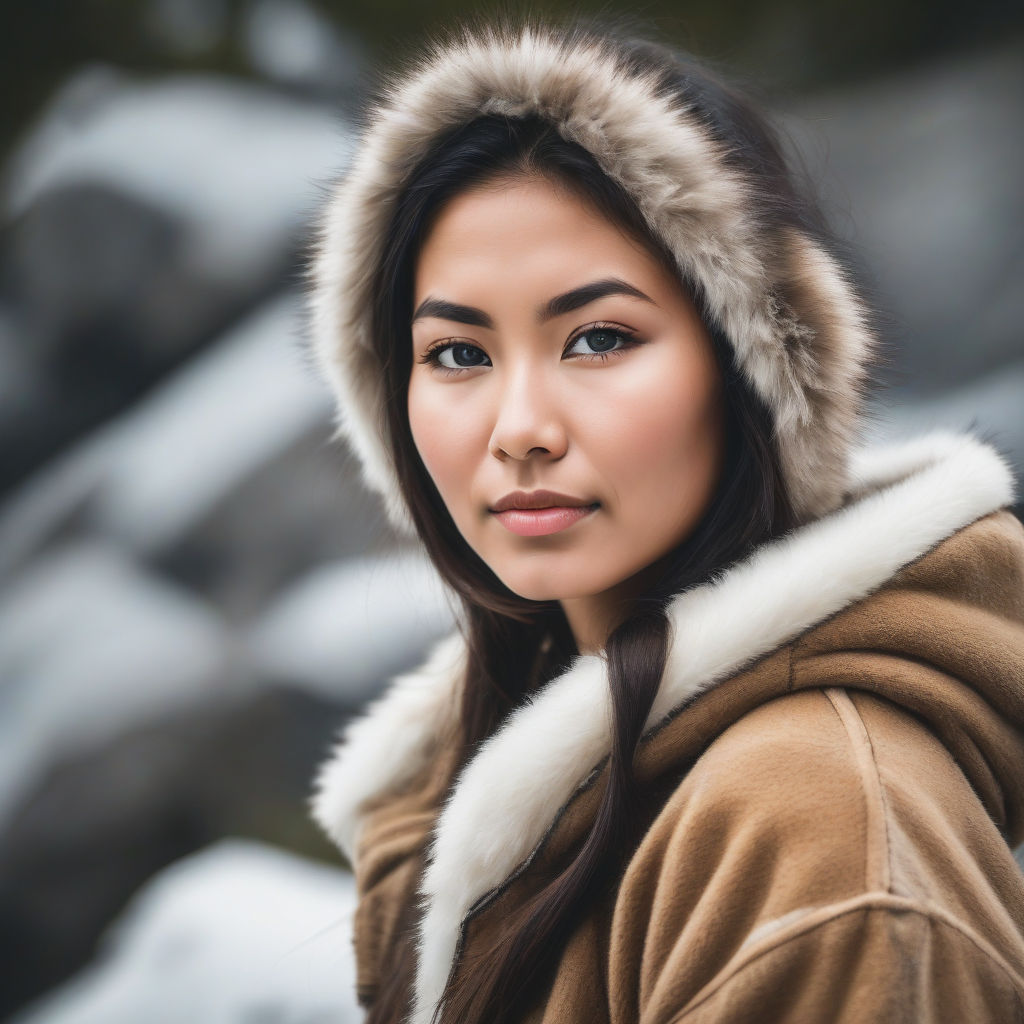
527	230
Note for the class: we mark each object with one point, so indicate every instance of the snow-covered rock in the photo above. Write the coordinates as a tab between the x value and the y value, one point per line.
344	628
149	475
210	426
921	172
141	218
236	162
235	934
291	42
89	645
992	406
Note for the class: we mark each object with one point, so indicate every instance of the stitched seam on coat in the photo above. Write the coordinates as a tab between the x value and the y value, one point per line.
878	852
865	903
997	813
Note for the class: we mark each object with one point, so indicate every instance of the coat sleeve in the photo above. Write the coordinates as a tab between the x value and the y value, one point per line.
860	964
824	861
392	838
386	871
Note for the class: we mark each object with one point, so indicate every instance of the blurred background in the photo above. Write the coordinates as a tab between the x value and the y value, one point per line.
195	593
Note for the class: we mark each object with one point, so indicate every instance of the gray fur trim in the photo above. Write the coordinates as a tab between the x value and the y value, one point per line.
799	331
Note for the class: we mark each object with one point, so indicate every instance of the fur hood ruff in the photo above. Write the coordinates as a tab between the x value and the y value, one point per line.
799	331
903	500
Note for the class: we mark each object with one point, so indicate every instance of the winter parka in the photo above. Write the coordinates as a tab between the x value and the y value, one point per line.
833	767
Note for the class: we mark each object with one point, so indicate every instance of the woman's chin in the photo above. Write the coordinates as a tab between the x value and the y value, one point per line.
550	589
534	591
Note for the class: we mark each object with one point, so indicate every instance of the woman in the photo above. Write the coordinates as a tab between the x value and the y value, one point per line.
731	727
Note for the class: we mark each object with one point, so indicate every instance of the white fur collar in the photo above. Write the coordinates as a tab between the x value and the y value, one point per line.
905	499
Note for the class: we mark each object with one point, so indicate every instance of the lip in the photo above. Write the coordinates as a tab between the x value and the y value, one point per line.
539	522
538	500
540	513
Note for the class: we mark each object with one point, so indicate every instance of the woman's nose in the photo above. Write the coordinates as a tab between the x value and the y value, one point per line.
528	422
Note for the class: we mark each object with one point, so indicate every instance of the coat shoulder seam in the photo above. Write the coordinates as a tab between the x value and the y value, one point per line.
869	902
878	846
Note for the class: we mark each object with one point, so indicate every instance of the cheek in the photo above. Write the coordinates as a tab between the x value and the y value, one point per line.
659	437
447	450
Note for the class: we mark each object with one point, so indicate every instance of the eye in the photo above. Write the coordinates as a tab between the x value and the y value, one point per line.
456	355
600	340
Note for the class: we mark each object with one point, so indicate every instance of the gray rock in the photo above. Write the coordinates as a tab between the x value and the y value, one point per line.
344	628
28	405
991	406
96	825
237	933
223	475
142	218
90	644
187	28
921	172
291	42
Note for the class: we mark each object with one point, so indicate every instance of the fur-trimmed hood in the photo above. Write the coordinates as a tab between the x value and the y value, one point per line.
785	305
902	502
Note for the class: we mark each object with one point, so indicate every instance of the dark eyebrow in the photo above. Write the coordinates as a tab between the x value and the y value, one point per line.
588	293
445	310
559	305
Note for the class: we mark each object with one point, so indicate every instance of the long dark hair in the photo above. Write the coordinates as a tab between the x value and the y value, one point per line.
516	645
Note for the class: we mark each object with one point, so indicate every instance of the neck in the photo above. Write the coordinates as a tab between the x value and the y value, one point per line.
592	617
591	620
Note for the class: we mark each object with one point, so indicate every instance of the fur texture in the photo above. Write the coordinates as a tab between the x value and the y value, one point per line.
799	331
906	499
387	745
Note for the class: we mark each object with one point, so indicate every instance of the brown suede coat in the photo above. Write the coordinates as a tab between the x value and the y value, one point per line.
829	827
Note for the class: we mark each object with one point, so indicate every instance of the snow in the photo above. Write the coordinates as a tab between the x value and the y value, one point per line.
992	406
208	428
88	643
239	933
343	629
291	42
158	468
238	162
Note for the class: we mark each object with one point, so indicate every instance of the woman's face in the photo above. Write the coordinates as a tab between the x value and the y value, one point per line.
552	352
